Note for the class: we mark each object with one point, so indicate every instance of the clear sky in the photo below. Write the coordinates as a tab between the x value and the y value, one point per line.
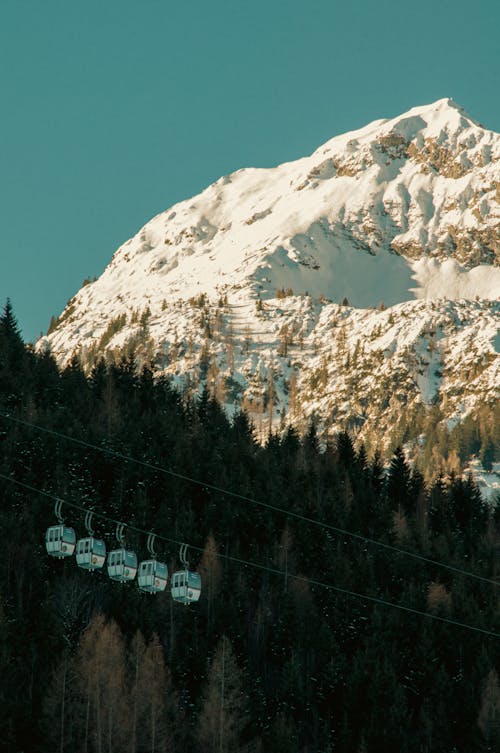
112	110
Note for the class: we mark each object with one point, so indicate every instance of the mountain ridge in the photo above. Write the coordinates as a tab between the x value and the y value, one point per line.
236	283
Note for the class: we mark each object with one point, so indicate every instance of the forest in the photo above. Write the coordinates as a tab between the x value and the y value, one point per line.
306	639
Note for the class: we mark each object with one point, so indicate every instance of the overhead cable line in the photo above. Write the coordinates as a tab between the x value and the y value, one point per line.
265	568
250	500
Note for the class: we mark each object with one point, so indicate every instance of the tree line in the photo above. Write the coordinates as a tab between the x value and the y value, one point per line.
266	662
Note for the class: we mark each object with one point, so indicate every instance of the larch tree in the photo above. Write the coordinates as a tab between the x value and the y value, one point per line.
283	553
489	713
158	702
210	569
222	718
292	395
104	697
135	663
60	706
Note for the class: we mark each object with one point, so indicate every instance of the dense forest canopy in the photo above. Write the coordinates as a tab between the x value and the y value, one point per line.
264	663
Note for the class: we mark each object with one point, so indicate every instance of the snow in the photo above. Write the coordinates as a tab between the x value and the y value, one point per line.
451	280
487	481
304	225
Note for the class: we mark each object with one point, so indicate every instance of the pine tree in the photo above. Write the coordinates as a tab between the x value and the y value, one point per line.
399	486
13	357
10	334
488	455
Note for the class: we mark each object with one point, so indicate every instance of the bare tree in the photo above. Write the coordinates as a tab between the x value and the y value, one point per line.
489	713
153	701
210	569
270	395
136	658
103	691
158	701
222	718
60	706
292	394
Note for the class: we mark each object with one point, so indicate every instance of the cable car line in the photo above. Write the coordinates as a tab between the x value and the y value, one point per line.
260	503
122	564
264	568
83	509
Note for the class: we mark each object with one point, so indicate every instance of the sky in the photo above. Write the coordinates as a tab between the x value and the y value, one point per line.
113	111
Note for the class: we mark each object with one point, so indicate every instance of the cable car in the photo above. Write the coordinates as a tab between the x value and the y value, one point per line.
185	585
122	563
90	552
153	575
60	540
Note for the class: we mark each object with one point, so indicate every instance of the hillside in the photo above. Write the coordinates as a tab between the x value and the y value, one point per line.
343	608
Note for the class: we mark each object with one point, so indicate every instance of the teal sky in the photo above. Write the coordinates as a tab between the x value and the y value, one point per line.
114	110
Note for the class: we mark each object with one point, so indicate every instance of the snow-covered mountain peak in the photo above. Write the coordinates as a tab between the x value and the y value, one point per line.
268	268
362	217
444	112
429	121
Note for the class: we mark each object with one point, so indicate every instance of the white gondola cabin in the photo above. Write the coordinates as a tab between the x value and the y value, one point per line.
90	551
60	540
122	563
153	575
185	585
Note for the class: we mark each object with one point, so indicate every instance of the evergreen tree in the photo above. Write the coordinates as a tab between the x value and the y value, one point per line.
399	487
488	455
322	670
11	341
13	357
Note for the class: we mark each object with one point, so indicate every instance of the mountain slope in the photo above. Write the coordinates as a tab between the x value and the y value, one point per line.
240	287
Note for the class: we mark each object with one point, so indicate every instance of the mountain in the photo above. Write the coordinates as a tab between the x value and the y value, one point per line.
360	284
